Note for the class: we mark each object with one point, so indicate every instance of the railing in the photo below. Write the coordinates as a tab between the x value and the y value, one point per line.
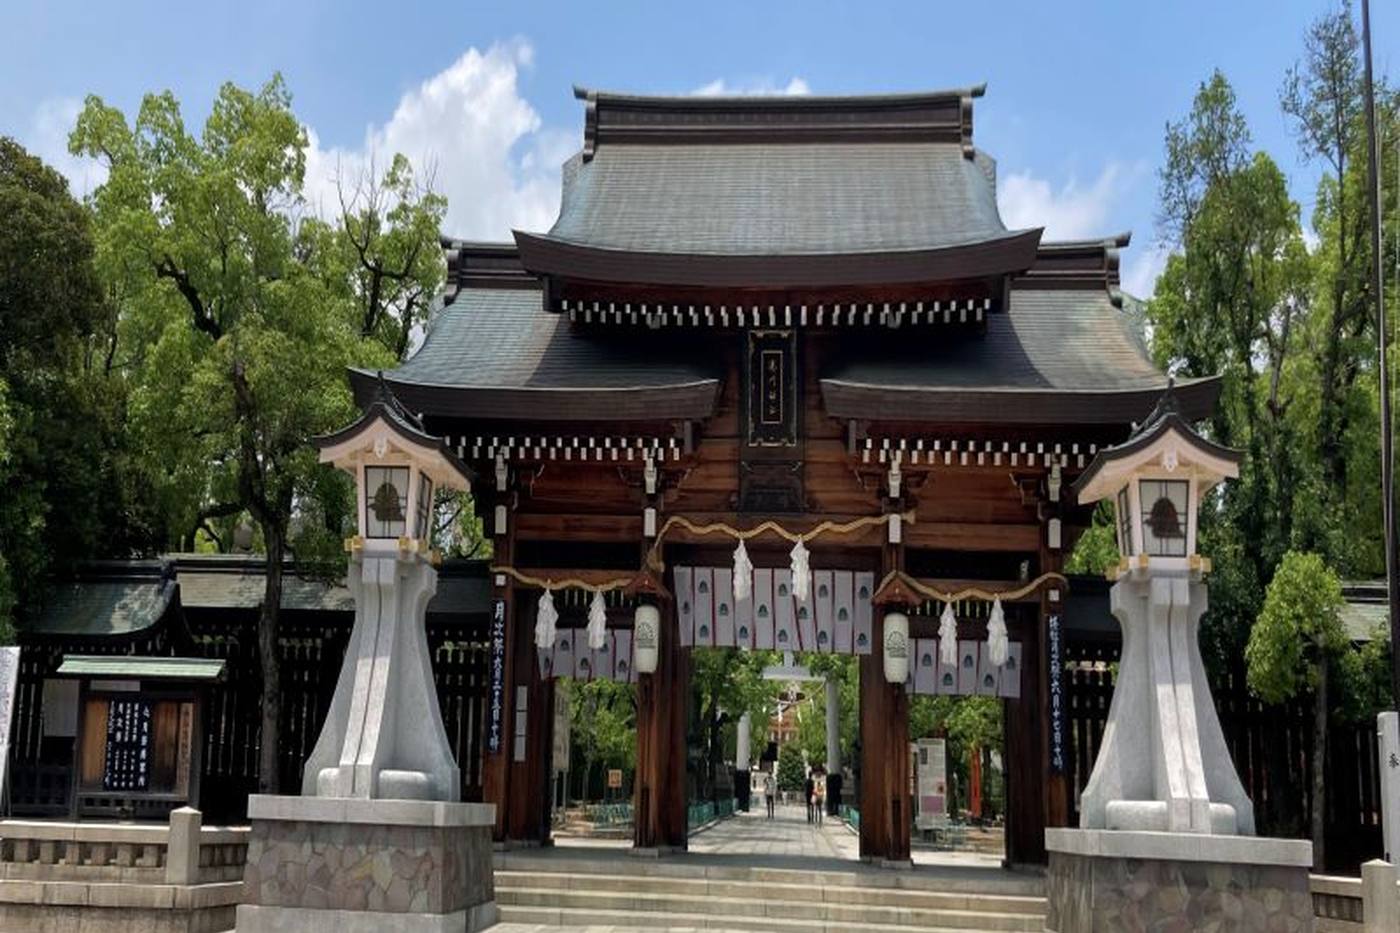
182	851
851	814
609	814
708	811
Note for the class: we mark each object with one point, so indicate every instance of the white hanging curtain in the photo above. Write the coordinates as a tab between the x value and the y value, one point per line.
546	619
743	573
801	572
998	646
948	636
597	621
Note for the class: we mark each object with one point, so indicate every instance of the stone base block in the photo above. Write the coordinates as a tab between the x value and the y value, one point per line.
1148	881
350	865
309	920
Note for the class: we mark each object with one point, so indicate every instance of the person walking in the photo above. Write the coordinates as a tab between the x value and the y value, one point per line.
819	799
769	790
808	790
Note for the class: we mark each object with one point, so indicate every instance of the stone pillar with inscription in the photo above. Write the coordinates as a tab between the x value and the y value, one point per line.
1166	832
378	840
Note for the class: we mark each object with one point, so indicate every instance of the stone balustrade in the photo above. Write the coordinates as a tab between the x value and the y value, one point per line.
180	877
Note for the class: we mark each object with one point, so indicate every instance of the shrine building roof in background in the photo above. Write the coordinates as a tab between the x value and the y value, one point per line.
779	191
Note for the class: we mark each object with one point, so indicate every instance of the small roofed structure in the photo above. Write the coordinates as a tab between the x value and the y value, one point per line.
396	464
1156	479
139	729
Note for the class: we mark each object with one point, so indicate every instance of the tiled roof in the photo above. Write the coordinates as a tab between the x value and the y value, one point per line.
1066	355
110	598
495	353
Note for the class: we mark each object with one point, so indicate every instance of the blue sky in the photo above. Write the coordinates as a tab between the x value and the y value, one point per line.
1078	93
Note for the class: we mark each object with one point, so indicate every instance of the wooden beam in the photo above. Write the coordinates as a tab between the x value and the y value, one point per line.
972	536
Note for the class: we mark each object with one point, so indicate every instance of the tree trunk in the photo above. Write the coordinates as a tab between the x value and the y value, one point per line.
1319	770
269	776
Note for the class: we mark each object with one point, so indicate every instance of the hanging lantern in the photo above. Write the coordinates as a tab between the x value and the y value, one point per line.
896	641
546	617
801	572
998	646
743	573
646	639
948	637
597	621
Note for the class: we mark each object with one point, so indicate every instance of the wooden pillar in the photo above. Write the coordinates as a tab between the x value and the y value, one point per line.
515	776
660	795
885	800
1057	789
527	821
495	786
1022	723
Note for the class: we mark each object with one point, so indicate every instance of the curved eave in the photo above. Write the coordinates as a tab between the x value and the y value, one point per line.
1009	254
947	405
687	401
1180	423
378	411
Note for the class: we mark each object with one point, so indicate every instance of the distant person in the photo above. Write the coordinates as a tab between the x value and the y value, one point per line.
770	790
819	799
808	790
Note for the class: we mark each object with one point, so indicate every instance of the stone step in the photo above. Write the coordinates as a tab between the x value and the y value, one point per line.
768	890
956	880
571	917
758	907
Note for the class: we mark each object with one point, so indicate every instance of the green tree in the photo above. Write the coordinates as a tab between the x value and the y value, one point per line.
727	683
1096	551
792	771
63	453
237	341
972	725
604	723
1290	649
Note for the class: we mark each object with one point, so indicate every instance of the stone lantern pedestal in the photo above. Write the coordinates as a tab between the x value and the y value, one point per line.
1166	832
378	840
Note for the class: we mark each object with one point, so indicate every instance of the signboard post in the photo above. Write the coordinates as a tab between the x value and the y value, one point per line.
497	699
1055	663
932	770
1388	744
9	682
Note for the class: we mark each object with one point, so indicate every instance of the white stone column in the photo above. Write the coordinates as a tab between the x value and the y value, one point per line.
741	753
384	736
833	726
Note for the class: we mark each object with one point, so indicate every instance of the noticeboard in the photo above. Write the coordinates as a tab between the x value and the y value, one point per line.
128	754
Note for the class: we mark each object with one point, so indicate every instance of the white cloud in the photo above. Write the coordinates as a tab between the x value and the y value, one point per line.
1141	271
47	138
484	145
468	127
719	87
1072	212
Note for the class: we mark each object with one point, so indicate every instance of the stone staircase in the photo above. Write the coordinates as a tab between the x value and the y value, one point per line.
625	891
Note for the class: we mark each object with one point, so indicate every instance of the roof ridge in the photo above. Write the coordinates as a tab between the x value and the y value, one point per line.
928	116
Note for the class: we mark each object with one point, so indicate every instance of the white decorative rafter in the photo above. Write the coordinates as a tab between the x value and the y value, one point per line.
574	447
961	452
841	314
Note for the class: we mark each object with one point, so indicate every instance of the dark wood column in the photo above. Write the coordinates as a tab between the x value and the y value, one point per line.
1057	788
884	740
515	776
528	794
1022	725
660	795
495	786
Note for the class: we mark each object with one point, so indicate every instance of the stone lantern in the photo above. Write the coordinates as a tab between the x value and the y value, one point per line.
383	735
1166	831
381	787
1163	764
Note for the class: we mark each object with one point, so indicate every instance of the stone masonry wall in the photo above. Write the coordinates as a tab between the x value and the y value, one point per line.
345	866
1090	893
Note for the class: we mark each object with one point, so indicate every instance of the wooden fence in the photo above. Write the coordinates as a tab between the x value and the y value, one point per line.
1254	732
312	646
